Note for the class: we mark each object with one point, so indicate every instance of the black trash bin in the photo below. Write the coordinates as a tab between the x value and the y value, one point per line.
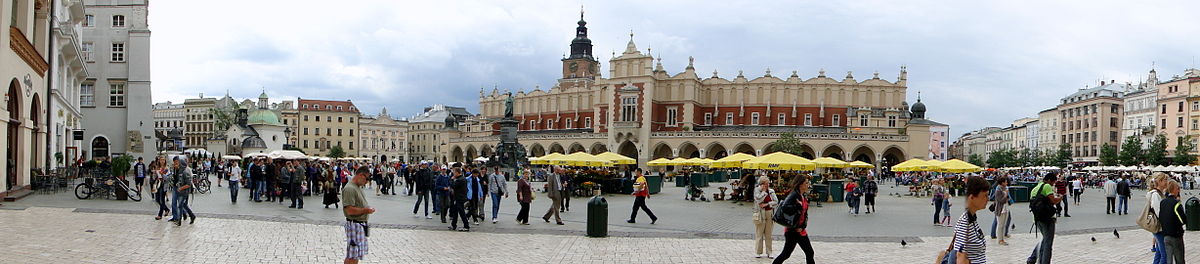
1192	210
597	217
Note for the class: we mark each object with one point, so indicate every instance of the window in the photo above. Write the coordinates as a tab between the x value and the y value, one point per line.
672	116
317	106
339	108
532	125
1115	107
89	51
729	118
837	120
549	124
118	52
1179	122
330	107
339	132
1164	123
629	108
566	125
339	119
87	94
329	119
862	120
328	131
807	119
306	131
89	21
782	120
587	122
1094	139
118	21
1112	122
305	118
1195	124
351	119
352	132
351	144
316	131
116	94
1164	108
754	118
892	121
708	118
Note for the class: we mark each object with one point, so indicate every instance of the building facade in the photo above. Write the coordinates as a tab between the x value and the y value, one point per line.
1048	129
68	73
1092	118
641	111
115	99
1141	115
428	132
198	121
24	69
325	124
382	138
1189	82
169	118
1173	110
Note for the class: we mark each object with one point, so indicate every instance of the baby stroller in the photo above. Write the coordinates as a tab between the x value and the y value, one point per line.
694	193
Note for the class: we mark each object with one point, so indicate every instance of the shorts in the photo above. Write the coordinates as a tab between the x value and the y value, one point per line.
356	240
139	180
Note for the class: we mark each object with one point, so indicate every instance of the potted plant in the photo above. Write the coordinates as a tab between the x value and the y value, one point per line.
594	187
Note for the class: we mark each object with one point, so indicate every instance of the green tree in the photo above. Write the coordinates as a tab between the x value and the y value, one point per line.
975	159
223	118
1183	151
1131	151
1108	155
788	143
337	152
1062	156
120	165
1156	153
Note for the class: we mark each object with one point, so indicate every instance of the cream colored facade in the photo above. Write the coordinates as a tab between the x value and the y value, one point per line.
1141	111
381	137
325	124
1190	82
641	110
428	133
1048	129
1091	118
198	124
1173	110
23	67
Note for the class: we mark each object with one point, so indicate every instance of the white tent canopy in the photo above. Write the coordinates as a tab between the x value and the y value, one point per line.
231	157
286	154
482	159
255	155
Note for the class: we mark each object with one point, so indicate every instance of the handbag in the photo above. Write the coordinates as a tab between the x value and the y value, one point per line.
1148	220
757	218
948	256
992	207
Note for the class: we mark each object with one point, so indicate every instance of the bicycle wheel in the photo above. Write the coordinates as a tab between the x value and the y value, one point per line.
132	193
83	191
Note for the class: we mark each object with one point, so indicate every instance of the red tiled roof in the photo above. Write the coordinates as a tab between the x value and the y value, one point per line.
326	106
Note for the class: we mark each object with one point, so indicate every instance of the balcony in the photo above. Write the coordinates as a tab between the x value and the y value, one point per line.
24	49
626	124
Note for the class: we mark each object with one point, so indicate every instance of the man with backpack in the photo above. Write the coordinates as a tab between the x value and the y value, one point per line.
1123	196
1041	204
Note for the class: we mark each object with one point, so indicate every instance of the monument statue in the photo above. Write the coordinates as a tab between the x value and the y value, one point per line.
508	106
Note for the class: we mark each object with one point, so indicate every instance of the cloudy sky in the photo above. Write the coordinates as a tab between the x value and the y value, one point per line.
977	63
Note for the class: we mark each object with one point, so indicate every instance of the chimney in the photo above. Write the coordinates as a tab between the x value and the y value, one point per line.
1101	83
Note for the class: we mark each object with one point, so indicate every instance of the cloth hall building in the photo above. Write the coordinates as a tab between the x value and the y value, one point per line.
640	110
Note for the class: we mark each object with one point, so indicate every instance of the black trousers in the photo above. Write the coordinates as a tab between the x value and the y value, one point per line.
472	207
295	194
566	203
791	239
523	215
640	203
443	205
1112	204
422	197
458	212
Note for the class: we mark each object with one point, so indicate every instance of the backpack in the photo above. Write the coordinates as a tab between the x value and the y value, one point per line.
1041	206
1148	220
788	211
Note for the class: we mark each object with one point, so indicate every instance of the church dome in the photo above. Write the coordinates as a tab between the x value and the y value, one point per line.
263	116
918	109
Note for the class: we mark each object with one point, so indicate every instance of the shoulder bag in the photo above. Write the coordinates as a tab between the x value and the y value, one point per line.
1148	220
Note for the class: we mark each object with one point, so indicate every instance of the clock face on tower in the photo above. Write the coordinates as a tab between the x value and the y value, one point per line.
574	66
592	68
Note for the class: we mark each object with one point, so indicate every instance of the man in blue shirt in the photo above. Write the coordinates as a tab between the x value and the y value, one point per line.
441	193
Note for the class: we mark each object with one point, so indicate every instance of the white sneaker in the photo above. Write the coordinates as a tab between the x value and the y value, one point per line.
494	220
428	217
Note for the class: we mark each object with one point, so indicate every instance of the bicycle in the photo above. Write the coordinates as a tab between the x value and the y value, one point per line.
105	188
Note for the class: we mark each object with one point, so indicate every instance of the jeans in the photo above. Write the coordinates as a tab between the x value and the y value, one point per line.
179	203
422	196
791	239
640	203
1042	252
437	202
495	205
260	187
1006	224
1174	246
233	191
1123	204
160	197
1160	251
937	211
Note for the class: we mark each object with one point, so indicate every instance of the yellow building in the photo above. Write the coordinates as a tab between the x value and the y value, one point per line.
325	124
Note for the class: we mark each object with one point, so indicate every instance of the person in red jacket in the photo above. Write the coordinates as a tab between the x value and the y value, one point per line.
641	191
797	234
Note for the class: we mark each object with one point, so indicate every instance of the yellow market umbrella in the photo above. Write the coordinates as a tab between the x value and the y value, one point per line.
934	163
957	166
860	164
779	161
659	162
617	158
545	160
678	162
585	160
707	162
827	162
911	165
732	161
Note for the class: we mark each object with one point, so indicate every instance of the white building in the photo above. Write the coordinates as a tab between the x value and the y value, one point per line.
383	138
167	117
23	68
68	72
116	97
1139	107
1049	125
1032	129
256	130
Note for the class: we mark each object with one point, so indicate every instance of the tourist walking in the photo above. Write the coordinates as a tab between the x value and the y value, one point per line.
1042	200
441	198
870	189
968	243
524	197
235	176
765	199
139	174
796	204
852	194
1154	196
1123	196
158	186
496	187
1077	189
1064	207
181	185
1172	218
939	196
1001	201
480	193
641	191
566	190
461	192
1110	195
422	183
296	184
357	212
554	192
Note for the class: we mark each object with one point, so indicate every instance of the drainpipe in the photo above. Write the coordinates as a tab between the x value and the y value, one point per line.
49	80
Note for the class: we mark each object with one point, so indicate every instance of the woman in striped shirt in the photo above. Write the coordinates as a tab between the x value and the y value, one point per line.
968	238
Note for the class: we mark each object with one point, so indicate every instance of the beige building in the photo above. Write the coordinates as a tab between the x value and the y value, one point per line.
381	137
1091	118
291	120
198	121
1048	129
428	133
643	111
23	67
1189	82
325	124
1173	110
